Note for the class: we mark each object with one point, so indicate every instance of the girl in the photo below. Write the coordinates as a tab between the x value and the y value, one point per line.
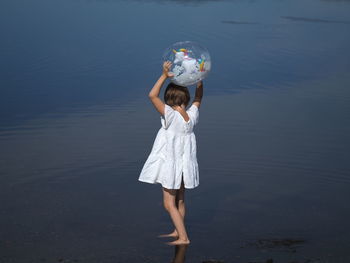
173	159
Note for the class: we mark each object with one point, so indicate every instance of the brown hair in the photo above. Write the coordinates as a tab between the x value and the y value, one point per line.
176	95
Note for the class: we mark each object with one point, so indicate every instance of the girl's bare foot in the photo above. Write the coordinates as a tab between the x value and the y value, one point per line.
179	242
173	234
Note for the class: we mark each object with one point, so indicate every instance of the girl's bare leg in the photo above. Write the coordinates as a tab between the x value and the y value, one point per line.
180	204
169	196
180	200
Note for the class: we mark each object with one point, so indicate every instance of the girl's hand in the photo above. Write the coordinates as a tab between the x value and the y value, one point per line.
166	69
199	94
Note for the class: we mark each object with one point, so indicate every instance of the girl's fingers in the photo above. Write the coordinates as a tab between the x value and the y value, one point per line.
167	65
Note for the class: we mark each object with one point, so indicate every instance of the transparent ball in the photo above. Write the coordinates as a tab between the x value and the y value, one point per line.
190	62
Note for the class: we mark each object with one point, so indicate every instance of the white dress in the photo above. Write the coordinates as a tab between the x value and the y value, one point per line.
174	152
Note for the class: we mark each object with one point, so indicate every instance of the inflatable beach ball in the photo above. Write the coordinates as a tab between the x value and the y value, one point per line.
190	62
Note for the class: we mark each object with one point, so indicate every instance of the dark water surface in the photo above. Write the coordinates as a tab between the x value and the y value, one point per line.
76	127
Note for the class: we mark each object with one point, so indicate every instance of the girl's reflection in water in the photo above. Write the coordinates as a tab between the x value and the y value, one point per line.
180	252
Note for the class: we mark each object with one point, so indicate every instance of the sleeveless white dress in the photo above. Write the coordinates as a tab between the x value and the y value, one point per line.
174	152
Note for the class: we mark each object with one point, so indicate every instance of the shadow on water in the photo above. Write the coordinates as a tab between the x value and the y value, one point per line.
314	20
206	1
338	1
182	2
232	22
196	2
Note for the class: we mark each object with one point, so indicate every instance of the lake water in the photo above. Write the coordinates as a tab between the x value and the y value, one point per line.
76	127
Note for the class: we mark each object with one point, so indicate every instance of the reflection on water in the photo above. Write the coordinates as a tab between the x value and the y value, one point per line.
180	254
76	127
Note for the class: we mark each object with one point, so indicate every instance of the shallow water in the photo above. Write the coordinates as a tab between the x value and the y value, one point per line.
76	127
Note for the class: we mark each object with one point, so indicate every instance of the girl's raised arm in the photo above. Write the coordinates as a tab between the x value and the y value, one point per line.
154	93
198	95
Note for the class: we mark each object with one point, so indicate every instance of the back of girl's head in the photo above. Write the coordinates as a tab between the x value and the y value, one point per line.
176	95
